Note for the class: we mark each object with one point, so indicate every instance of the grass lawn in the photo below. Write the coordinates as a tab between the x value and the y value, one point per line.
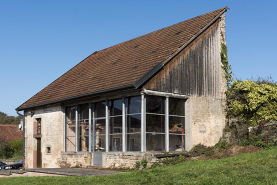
255	168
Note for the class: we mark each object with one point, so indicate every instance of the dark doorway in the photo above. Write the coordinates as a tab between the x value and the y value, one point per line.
39	160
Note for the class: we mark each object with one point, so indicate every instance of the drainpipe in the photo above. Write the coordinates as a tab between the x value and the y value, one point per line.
23	151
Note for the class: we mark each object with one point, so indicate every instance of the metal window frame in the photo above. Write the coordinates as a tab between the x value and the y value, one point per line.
76	129
143	123
107	126
64	128
123	126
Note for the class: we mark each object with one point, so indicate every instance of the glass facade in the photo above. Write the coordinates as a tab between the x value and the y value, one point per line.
118	123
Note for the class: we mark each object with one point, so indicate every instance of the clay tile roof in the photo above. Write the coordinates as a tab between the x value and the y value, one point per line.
10	133
121	65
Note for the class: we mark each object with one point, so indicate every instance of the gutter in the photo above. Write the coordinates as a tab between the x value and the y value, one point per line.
23	149
160	65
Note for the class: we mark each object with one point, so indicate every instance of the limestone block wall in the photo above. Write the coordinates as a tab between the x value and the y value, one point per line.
205	121
72	159
51	136
126	159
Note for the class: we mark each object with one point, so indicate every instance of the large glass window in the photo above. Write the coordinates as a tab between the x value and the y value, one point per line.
70	114
115	129
133	123
155	123
83	127
155	116
176	124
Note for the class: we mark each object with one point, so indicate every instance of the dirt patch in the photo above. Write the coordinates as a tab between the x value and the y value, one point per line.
230	152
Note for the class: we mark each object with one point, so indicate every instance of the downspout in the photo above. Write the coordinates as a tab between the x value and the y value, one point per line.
23	149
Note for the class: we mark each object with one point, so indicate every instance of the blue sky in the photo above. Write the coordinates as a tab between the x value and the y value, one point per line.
41	40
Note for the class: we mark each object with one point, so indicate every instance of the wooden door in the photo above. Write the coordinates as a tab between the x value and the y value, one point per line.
39	160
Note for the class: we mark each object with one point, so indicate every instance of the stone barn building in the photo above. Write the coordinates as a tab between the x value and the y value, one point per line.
160	92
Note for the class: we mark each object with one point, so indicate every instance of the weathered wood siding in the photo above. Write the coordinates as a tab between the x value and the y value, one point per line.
194	71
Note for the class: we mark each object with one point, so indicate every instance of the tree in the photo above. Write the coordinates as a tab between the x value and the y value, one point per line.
5	119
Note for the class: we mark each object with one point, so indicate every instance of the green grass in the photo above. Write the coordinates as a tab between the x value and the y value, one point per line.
255	168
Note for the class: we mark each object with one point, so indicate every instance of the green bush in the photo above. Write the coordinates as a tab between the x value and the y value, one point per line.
222	145
137	164
12	150
252	102
181	158
143	163
209	152
257	141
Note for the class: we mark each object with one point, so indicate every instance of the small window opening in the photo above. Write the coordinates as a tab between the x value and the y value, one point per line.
135	47
177	33
48	150
93	78
38	126
134	68
114	62
153	51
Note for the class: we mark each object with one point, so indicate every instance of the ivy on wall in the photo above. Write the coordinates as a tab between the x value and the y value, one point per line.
227	68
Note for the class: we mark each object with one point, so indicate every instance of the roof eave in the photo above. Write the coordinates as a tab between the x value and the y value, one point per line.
160	65
75	97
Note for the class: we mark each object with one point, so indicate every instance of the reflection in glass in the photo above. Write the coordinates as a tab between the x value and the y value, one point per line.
155	104
100	109
115	125
176	125
133	142
155	142
176	107
133	105
84	112
155	123
176	142
115	107
70	114
116	142
133	123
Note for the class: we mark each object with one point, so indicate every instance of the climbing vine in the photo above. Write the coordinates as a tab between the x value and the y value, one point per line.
225	63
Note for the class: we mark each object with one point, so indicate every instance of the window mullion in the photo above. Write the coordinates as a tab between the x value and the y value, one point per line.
167	124
76	129
143	123
107	126
64	130
89	123
123	126
93	127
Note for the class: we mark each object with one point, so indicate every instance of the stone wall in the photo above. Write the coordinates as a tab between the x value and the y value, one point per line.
235	132
126	159
52	136
73	159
